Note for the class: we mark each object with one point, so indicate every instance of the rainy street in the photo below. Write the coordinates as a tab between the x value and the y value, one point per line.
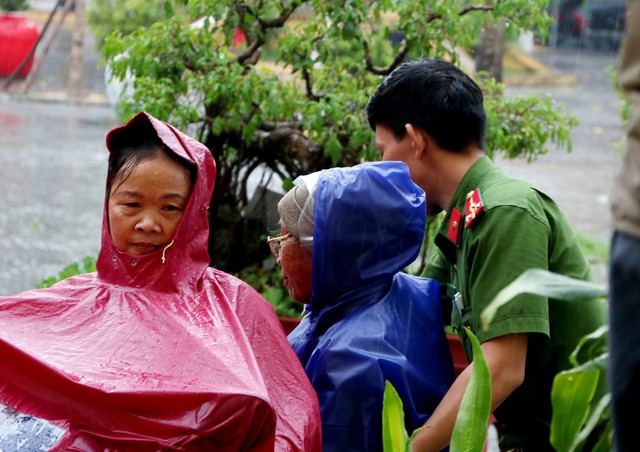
580	181
53	165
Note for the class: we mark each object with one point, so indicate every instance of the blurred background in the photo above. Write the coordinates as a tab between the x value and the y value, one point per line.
311	89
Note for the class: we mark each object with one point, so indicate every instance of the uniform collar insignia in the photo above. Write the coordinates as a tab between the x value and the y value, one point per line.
453	229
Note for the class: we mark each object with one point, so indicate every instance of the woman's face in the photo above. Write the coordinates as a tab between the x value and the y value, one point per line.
295	261
145	208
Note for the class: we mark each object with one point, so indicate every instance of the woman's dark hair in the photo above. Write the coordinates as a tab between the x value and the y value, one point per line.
435	96
123	161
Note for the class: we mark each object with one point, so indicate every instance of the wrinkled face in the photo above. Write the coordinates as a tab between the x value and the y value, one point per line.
145	208
295	261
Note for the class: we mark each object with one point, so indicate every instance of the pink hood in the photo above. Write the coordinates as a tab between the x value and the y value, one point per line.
157	351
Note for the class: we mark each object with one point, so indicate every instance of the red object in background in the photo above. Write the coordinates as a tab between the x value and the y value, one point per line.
239	37
18	34
289	324
460	361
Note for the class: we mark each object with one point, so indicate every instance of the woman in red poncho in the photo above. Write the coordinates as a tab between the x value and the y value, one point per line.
156	350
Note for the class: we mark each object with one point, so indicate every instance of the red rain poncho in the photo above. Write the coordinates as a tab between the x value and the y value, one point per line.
157	351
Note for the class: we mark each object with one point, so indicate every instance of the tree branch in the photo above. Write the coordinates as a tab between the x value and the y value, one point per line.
400	56
278	21
253	51
469	9
309	86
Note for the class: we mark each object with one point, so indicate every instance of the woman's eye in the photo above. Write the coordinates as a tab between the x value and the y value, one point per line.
131	204
173	208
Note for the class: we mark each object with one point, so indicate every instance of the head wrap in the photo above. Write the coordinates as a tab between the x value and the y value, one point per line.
296	211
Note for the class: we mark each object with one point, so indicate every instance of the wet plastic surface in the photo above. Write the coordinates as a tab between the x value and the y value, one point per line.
368	321
157	351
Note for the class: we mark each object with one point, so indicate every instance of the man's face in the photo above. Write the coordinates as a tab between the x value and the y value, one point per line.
405	150
390	149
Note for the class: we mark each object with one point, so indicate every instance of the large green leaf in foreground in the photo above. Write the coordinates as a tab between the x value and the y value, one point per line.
394	434
571	395
470	429
544	283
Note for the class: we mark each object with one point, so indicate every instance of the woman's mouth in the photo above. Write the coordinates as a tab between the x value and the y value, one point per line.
143	248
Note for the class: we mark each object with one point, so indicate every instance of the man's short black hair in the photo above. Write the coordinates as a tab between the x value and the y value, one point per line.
435	96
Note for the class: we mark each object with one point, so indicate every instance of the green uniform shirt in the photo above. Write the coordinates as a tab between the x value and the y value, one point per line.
518	228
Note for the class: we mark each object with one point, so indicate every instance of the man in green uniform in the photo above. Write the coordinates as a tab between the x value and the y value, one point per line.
430	115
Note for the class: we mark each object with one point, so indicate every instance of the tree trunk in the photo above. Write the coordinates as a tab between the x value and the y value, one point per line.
76	65
491	50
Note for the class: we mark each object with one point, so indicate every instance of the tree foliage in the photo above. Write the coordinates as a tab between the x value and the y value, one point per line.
125	16
291	98
14	5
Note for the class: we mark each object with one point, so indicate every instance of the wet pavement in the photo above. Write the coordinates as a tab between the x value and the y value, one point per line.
53	161
52	167
580	181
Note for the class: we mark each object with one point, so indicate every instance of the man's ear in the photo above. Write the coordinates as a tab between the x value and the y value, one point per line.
419	140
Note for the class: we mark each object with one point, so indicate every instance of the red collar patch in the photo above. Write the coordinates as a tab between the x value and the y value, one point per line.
453	230
473	207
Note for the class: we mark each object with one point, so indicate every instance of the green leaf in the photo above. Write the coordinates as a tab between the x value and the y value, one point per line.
599	415
87	265
470	430
605	442
590	346
394	434
544	283
570	399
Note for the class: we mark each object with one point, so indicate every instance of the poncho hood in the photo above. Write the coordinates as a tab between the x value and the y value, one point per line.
186	259
368	225
158	351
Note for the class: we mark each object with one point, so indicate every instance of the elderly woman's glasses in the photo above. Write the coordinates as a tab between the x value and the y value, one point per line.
275	244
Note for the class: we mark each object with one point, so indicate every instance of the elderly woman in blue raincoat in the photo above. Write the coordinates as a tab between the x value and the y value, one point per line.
346	236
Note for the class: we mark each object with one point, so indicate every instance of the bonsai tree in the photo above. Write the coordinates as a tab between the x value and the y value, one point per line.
289	97
14	5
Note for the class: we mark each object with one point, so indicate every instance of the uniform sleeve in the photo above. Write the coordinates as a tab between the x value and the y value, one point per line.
506	242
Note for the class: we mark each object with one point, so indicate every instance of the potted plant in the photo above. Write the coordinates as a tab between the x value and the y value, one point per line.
18	35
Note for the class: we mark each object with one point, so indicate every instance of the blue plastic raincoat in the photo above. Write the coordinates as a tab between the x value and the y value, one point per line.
367	321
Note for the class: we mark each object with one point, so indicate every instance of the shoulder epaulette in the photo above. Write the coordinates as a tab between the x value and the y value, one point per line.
473	207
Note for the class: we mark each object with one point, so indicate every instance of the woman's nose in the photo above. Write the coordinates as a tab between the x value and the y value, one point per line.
148	223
